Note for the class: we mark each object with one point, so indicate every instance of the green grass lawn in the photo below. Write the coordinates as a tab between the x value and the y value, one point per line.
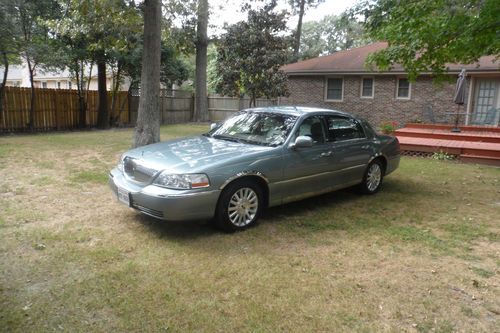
421	255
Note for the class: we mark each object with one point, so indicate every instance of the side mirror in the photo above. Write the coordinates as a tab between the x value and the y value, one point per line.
302	142
213	126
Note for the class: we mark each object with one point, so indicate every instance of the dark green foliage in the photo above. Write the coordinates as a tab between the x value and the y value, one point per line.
299	7
251	53
329	35
424	35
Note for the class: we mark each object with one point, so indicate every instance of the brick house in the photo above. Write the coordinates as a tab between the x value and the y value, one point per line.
342	81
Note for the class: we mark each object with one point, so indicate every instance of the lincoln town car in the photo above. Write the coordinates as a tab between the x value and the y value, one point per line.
257	158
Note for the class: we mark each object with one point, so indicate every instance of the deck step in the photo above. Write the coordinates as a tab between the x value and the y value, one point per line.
478	159
471	145
447	135
463	128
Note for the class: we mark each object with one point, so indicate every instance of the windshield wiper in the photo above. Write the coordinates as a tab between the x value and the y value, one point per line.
224	137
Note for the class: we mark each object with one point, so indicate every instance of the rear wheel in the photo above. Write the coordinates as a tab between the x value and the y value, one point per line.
372	180
239	206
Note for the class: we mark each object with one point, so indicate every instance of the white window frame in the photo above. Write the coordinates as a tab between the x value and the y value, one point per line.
373	87
397	89
44	83
326	89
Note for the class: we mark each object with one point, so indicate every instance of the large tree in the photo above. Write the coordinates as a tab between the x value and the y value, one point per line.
424	35
33	41
147	129
8	46
100	32
299	7
251	53
330	34
201	105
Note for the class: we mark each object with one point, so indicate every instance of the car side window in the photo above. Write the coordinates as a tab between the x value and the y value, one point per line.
312	127
344	128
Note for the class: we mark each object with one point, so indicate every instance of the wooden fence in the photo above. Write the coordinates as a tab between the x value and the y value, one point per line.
55	109
221	107
58	109
178	106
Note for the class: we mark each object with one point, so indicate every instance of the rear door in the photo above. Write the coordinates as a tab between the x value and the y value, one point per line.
351	149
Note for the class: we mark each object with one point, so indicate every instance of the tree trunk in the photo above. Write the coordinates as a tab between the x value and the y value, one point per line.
102	111
147	129
116	86
298	33
253	101
82	109
4	82
31	120
201	108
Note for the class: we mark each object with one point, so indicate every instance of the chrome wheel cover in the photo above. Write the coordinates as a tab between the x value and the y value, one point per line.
243	206
373	177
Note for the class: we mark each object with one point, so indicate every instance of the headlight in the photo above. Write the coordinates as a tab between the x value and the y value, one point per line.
120	163
182	182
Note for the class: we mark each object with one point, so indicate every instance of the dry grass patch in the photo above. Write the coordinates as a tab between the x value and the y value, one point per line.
421	255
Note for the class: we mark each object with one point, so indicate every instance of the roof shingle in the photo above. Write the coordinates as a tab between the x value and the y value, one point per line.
353	61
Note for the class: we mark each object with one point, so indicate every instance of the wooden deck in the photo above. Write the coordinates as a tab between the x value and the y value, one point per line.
474	144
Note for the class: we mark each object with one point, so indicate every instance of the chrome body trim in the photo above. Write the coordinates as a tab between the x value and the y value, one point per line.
320	174
244	174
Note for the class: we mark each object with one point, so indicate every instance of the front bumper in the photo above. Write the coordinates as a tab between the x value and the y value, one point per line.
166	204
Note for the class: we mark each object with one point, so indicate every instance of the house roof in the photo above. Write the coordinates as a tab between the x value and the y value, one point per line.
353	61
15	73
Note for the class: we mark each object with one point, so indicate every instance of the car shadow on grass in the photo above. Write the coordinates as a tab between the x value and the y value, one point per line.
186	230
301	214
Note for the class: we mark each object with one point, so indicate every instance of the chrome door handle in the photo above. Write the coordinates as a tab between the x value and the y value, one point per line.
327	154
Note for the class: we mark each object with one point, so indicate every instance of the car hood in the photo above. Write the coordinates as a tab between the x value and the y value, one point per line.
191	154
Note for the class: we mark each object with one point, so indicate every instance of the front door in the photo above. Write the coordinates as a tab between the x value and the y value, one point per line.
307	171
487	103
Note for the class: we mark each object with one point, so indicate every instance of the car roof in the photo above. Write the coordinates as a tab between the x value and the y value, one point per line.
297	110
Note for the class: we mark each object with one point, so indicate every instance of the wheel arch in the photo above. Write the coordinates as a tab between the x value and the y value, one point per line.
382	159
255	176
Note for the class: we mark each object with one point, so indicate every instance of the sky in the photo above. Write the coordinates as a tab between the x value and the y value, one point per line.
228	11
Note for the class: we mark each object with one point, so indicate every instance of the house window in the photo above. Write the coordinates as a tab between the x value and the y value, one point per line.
69	84
334	89
58	85
403	89
44	84
367	85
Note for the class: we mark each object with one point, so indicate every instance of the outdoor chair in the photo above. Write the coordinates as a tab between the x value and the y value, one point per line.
486	118
429	116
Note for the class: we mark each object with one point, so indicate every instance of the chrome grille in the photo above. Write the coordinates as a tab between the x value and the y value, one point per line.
136	171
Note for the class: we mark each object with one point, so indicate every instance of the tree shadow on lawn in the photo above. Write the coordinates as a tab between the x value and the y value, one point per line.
311	211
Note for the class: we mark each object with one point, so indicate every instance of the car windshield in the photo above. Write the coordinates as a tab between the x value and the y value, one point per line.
259	128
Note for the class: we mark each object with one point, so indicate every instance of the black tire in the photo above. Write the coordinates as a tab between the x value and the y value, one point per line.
373	177
239	206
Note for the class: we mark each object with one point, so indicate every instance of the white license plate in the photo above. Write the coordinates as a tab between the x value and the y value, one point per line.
123	196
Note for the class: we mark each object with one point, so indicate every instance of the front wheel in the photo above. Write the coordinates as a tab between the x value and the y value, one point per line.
239	206
372	180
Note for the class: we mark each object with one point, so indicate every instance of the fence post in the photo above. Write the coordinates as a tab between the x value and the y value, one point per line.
193	106
241	103
56	110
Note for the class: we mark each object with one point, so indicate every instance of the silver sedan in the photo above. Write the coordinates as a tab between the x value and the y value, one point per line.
257	158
